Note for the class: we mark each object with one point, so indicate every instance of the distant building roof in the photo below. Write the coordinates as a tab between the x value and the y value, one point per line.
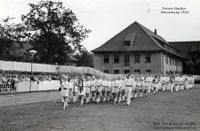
72	58
143	40
186	47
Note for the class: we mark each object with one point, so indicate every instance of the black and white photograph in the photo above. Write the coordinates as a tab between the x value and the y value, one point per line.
99	65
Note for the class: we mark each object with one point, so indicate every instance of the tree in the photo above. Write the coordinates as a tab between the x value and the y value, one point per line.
85	58
9	35
5	43
54	31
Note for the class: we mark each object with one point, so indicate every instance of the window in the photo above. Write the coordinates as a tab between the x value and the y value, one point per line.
170	61
116	58
106	71
137	71
148	71
180	64
116	71
148	59
166	59
126	71
127	43
176	63
126	60
137	58
106	58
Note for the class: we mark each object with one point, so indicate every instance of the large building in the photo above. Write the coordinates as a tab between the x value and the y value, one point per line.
138	49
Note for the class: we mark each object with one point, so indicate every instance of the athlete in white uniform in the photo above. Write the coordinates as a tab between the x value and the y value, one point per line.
191	82
121	89
65	92
87	90
115	90
149	80
82	87
109	89
135	87
99	87
93	89
182	83
75	90
140	87
167	80
104	89
145	87
163	83
171	85
155	85
129	89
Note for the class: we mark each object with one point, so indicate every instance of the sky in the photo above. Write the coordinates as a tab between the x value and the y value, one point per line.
106	18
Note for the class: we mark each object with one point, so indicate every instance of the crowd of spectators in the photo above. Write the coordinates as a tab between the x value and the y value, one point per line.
5	77
8	80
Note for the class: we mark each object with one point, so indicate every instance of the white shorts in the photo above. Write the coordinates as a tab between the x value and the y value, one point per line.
87	90
65	93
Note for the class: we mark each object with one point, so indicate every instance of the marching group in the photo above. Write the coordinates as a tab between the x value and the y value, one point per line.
90	89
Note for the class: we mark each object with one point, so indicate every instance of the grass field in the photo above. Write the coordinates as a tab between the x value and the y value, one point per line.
164	111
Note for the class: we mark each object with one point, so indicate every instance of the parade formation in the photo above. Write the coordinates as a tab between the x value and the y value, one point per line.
91	89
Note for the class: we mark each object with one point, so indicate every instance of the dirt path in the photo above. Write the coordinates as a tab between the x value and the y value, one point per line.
165	111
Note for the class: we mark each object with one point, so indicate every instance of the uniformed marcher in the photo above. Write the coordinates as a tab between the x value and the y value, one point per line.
65	92
129	89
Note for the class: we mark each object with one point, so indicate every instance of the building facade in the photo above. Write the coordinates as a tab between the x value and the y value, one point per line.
137	49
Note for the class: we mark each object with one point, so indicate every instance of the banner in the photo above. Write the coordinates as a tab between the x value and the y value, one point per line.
4	87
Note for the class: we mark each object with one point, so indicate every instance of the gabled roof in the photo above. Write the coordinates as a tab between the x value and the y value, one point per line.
144	40
152	34
161	42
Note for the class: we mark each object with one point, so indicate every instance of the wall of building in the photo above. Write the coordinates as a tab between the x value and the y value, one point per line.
154	66
176	65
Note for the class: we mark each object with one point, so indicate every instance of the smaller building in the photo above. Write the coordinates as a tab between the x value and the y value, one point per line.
72	61
190	50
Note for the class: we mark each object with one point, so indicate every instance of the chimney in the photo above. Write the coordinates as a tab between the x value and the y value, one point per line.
155	31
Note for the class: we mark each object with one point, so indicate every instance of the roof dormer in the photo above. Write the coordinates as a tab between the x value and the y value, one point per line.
129	39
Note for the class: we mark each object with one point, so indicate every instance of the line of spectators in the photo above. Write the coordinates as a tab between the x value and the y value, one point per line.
8	80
